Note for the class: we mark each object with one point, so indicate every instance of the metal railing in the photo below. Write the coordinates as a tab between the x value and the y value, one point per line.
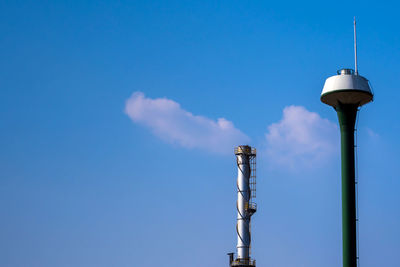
247	150
251	206
243	262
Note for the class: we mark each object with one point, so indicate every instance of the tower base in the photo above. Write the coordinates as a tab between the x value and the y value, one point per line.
243	263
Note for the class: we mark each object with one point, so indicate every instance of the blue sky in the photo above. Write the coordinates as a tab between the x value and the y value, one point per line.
118	121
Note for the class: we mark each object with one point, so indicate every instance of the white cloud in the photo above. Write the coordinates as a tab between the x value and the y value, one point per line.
301	139
167	120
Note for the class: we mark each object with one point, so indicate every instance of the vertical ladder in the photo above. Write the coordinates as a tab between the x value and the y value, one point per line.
356	185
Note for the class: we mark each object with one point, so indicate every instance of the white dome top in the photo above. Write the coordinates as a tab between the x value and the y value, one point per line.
347	88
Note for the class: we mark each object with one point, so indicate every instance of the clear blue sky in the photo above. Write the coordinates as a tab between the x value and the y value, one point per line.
84	182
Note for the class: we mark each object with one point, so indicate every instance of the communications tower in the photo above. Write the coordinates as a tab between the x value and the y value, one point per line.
346	92
246	206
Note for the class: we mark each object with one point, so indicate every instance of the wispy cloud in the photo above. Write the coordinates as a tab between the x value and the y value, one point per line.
372	134
167	120
301	139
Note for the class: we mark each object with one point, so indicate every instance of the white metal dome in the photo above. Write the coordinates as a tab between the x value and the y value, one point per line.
346	88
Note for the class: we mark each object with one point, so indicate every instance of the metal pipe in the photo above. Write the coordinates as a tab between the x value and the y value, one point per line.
243	218
230	258
355	48
347	114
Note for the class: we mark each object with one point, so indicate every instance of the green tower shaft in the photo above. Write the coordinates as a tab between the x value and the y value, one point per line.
347	114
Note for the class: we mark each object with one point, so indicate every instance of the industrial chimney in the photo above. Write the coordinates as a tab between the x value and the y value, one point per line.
346	92
246	207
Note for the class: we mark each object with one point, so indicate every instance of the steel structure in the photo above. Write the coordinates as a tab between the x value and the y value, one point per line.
246	206
346	92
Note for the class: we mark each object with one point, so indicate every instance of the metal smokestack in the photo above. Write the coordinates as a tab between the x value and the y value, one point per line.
246	207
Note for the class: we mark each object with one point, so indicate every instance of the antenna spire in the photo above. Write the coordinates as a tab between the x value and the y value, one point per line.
355	48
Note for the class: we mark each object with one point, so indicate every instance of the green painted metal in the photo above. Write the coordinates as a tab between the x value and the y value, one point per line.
347	114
